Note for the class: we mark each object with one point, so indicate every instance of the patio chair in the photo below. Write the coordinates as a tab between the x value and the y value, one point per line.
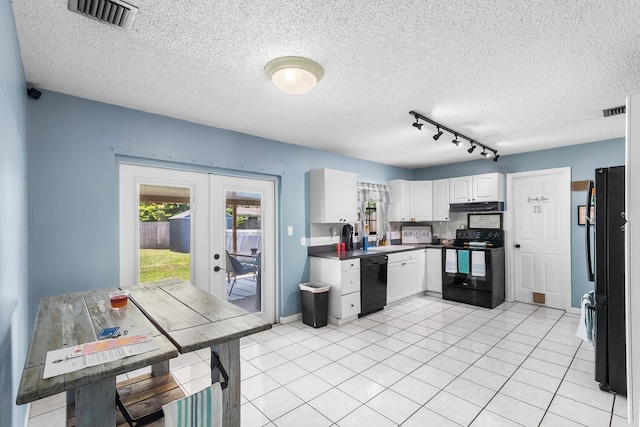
236	268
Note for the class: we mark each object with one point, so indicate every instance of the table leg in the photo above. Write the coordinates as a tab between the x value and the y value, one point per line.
159	369
229	355
95	404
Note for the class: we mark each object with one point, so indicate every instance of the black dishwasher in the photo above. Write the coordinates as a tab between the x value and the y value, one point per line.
373	283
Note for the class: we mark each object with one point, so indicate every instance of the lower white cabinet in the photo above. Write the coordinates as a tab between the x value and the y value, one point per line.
402	275
344	279
433	282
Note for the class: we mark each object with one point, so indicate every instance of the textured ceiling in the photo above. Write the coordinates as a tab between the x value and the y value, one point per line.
514	75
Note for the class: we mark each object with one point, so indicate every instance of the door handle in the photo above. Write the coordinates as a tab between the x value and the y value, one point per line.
517	245
216	268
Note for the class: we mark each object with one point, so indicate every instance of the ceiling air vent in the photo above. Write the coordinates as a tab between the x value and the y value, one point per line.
614	111
114	12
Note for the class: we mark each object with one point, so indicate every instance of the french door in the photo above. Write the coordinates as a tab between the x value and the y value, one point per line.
190	225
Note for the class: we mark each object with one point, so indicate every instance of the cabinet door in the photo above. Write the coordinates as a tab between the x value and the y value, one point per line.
441	200
349	197
333	195
488	187
400	209
421	200
460	189
350	305
410	278
394	281
421	269
434	270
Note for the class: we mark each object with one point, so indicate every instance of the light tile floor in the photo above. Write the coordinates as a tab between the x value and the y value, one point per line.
422	362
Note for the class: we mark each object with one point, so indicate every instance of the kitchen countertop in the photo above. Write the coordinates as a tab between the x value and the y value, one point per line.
359	253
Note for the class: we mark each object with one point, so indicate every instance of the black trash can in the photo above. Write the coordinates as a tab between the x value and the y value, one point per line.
314	297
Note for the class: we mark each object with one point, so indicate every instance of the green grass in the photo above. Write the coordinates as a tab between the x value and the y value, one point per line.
158	264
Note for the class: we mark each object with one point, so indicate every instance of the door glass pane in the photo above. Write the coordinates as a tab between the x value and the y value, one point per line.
244	246
165	233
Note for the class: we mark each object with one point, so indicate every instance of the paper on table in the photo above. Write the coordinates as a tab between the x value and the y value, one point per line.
451	261
59	362
478	266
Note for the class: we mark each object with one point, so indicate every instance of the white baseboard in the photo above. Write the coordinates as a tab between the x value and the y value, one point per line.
290	319
573	310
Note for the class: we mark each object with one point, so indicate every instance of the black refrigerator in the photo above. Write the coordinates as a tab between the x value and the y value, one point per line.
607	269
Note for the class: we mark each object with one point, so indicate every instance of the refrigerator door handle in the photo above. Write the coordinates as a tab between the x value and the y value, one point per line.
587	228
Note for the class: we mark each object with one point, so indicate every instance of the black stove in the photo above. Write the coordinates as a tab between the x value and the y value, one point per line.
473	267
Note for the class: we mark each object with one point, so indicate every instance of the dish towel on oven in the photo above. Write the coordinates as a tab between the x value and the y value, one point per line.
587	313
463	262
451	261
478	266
203	409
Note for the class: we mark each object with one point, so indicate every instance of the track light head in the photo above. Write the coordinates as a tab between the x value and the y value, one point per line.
470	150
437	135
484	153
455	141
496	157
418	125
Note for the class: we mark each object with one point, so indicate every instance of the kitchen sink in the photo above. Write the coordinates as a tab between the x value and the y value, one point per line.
389	248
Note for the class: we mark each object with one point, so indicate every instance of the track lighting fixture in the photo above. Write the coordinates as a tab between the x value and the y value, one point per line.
486	151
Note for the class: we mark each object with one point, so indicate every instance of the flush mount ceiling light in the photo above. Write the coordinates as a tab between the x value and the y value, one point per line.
294	75
486	150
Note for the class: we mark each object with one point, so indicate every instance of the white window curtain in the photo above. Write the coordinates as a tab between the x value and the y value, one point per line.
380	194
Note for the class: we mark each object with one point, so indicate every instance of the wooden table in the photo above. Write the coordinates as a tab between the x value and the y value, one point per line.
193	319
72	319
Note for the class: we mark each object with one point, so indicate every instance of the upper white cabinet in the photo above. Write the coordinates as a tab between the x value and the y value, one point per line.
410	200
333	196
441	200
487	187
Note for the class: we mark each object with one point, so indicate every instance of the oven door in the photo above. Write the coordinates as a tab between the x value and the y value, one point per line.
473	274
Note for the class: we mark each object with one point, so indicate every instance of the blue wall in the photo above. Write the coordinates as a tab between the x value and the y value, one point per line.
14	291
583	160
75	145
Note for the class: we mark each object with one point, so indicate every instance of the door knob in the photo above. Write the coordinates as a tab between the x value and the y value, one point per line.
216	269
517	245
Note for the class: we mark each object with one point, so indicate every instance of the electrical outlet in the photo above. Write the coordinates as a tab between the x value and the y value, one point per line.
303	241
290	230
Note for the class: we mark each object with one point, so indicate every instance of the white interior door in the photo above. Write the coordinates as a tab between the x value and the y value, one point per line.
539	242
243	224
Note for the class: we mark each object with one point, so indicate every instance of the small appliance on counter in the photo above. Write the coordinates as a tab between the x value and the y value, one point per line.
347	237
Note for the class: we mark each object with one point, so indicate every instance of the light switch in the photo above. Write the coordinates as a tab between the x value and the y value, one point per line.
303	241
290	230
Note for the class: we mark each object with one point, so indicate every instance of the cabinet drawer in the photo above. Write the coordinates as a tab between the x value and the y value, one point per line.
350	282
351	264
350	304
403	256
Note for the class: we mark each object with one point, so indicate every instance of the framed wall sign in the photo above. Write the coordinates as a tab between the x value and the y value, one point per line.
478	220
582	214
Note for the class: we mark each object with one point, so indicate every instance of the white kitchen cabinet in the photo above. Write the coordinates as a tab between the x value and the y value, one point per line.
441	200
344	279
411	201
433	270
421	270
333	196
402	275
421	200
487	187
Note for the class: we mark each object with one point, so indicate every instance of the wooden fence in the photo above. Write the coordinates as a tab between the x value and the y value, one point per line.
154	235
